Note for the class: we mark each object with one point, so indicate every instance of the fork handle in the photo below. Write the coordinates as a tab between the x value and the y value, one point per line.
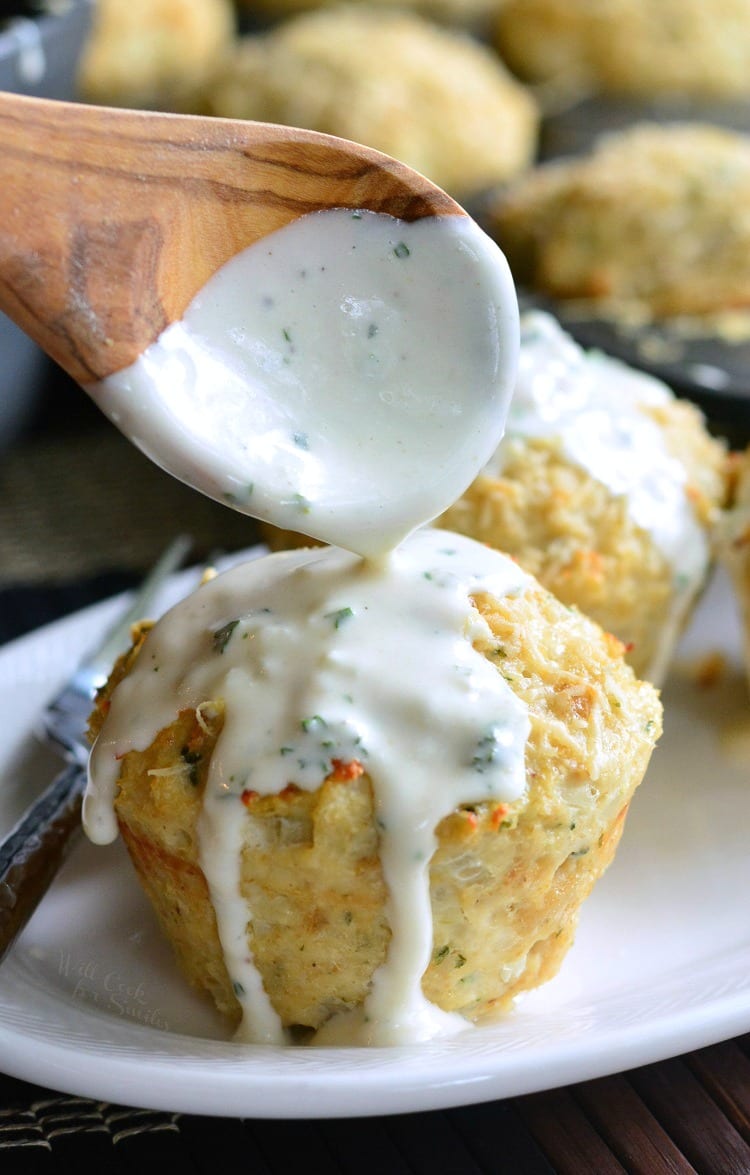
32	853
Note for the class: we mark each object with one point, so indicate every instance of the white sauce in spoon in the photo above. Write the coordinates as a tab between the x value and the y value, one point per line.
335	659
345	377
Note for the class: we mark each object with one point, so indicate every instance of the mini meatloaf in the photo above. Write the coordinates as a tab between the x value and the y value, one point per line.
733	542
504	878
154	54
654	221
637	47
606	487
434	98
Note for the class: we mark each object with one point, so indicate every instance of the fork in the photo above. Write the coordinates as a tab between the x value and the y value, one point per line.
33	851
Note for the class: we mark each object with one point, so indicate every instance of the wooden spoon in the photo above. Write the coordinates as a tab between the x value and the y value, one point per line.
112	220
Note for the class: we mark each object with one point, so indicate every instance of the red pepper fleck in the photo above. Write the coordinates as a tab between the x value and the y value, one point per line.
248	796
617	647
595	562
344	772
498	815
291	789
471	819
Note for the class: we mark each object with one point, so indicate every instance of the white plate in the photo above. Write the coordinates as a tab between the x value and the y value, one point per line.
91	1003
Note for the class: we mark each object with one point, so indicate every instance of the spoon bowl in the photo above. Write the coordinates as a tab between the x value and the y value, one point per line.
112	220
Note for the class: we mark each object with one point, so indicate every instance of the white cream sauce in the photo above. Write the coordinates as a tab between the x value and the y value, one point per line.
335	658
344	377
597	408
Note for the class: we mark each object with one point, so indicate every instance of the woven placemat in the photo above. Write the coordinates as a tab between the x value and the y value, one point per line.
81	504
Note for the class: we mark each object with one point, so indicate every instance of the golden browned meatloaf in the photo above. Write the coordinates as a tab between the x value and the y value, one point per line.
654	221
607	488
433	98
450	12
733	542
641	47
153	53
506	880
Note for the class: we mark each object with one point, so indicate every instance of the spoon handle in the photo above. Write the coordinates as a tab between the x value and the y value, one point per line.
112	220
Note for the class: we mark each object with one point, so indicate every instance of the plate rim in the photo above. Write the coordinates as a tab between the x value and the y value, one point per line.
408	1082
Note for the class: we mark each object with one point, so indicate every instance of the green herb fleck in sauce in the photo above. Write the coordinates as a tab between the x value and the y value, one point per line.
314	723
339	616
489	751
223	635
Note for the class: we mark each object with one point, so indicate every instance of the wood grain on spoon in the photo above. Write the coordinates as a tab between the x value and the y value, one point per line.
112	220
